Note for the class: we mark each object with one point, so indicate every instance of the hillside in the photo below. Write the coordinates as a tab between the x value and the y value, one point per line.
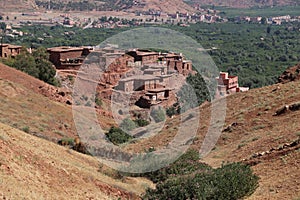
252	129
33	168
24	106
36	107
252	134
34	85
245	3
167	6
17	5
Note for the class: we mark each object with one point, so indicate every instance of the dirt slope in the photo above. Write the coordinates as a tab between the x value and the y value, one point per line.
34	84
250	129
17	5
257	131
33	168
35	107
167	6
28	104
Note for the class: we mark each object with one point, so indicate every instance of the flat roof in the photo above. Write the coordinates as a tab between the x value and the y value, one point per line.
11	46
143	53
166	76
152	70
14	46
173	55
114	54
140	77
156	66
157	90
65	49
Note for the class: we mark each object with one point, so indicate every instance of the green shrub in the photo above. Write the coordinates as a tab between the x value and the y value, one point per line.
26	129
171	111
66	142
158	115
118	136
186	164
141	122
235	181
232	181
98	102
127	124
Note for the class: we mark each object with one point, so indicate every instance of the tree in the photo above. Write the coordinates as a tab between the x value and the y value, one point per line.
269	29
264	20
25	62
46	70
35	64
3	26
194	93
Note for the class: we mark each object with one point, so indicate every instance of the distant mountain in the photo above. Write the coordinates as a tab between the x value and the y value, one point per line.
166	6
245	3
14	5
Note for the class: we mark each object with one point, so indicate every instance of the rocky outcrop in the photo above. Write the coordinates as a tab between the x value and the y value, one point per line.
291	74
284	149
292	107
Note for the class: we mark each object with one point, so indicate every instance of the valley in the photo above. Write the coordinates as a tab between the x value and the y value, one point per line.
204	104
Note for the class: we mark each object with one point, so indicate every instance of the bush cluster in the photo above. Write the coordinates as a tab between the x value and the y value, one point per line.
141	122
118	136
187	178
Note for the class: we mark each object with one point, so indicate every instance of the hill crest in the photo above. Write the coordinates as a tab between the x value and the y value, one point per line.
167	6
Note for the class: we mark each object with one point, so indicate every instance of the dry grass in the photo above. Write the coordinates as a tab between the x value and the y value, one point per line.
24	109
25	159
33	168
257	131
